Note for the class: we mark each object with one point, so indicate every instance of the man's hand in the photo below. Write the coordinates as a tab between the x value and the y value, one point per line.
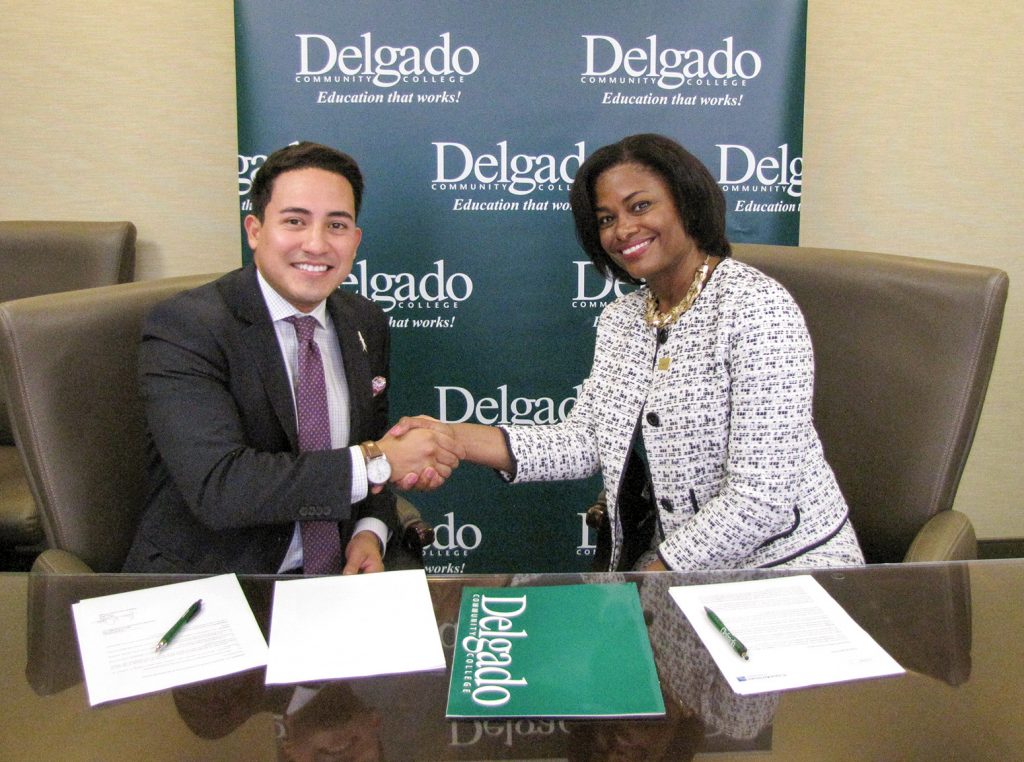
422	456
362	554
429	478
484	445
408	423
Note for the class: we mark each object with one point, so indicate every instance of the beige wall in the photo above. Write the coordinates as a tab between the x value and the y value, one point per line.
124	110
913	145
117	110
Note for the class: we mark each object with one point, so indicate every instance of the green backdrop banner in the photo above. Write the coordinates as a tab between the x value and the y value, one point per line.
469	120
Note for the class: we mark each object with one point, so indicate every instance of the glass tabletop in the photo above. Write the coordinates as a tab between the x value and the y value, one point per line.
953	627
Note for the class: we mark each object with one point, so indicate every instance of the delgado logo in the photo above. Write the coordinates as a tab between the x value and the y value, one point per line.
457	404
460	167
488	677
669	68
588	544
453	543
248	166
455	539
593	291
436	289
740	169
383	65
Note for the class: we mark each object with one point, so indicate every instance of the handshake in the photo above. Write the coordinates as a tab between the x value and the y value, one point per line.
422	451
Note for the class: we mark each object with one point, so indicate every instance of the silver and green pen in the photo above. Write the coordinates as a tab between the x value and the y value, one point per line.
737	646
187	617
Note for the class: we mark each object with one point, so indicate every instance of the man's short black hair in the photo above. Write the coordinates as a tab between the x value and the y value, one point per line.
304	155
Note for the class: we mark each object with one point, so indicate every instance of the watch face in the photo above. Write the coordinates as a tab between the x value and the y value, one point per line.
378	470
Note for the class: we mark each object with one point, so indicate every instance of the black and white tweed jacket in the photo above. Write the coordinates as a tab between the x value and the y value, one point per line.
729	419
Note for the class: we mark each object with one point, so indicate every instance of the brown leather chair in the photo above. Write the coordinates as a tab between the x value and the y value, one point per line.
40	258
903	352
70	363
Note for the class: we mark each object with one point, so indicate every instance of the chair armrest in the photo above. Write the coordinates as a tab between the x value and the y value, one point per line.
948	536
416	533
56	561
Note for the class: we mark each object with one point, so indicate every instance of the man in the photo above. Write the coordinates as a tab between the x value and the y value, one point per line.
243	476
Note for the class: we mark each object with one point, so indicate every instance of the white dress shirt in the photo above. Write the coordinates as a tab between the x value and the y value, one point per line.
337	402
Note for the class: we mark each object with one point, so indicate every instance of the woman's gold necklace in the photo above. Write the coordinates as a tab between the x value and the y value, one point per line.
657	319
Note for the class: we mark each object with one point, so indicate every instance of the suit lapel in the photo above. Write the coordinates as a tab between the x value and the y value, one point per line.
357	365
260	340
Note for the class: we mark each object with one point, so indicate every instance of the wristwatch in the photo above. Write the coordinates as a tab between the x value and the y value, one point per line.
378	470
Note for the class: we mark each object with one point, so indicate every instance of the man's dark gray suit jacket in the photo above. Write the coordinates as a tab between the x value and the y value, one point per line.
226	480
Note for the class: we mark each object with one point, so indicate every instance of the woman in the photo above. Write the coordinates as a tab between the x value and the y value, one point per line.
697	410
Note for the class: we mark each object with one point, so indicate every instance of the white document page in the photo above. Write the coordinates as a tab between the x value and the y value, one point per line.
118	635
794	632
325	628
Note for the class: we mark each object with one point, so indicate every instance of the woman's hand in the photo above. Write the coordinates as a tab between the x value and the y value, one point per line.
422	451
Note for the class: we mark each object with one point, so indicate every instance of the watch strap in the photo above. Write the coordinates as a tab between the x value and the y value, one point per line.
371	451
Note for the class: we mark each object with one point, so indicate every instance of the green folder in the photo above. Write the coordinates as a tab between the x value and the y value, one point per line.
558	651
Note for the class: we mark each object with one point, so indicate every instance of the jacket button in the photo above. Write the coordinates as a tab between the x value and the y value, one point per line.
667	504
653	419
662	335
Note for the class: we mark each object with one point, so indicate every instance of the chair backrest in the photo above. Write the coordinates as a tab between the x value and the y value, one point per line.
41	257
70	367
903	350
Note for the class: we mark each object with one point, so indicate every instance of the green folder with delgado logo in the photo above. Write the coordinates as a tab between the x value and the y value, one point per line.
558	651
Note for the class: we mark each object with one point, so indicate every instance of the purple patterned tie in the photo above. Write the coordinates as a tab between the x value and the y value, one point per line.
321	543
